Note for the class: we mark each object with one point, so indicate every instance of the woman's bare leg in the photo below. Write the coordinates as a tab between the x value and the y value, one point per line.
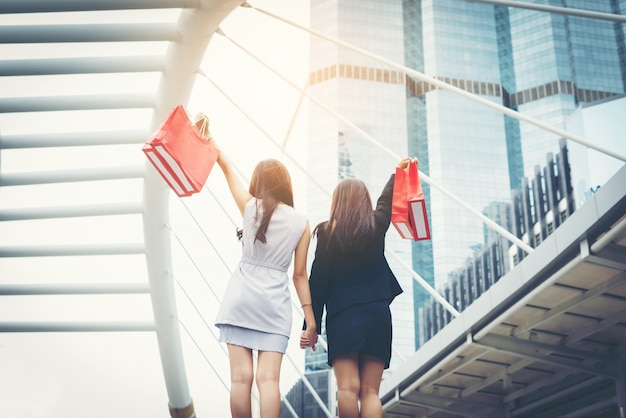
371	372
267	380
346	370
241	377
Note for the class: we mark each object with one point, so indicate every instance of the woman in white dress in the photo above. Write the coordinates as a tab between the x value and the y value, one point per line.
256	310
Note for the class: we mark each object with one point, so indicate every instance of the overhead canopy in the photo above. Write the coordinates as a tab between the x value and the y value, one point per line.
547	340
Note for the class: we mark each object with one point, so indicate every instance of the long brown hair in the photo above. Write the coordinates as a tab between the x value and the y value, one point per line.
351	224
271	184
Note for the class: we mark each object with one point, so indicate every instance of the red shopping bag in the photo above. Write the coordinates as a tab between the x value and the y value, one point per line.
400	205
180	153
408	208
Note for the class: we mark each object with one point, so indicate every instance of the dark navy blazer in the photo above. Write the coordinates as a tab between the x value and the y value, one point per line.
341	279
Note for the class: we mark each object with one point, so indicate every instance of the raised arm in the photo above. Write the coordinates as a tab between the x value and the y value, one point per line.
385	200
239	192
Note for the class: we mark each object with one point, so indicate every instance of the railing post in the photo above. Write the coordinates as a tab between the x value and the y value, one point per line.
183	58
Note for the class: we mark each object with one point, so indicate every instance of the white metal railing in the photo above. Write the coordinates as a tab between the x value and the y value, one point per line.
571	11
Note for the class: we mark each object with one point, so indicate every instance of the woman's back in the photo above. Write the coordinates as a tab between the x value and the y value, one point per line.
283	233
258	294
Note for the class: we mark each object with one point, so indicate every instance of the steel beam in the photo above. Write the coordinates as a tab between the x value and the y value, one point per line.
76	326
611	256
83	65
538	384
595	327
72	139
99	32
447	371
538	319
461	406
587	410
533	350
71	250
558	395
47	6
569	11
69	176
76	102
21	214
74	289
488	380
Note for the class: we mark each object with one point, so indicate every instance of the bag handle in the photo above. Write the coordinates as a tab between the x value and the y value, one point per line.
201	122
414	179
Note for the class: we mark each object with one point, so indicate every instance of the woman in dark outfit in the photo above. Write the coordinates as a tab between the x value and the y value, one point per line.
350	277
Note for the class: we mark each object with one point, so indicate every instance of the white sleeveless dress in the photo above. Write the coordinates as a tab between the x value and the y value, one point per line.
256	309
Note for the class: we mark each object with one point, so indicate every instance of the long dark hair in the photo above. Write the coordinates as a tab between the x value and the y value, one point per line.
351	224
271	184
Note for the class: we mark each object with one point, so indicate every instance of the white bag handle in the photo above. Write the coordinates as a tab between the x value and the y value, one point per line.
202	123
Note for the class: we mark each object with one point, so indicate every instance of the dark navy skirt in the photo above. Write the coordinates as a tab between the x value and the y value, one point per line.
364	328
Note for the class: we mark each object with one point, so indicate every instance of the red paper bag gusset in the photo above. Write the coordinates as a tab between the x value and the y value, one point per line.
417	204
408	210
180	153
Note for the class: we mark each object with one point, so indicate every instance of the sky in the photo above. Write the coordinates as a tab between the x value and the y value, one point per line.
49	375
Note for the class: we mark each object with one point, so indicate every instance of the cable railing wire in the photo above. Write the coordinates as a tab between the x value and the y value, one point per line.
182	324
295	114
195	307
293	159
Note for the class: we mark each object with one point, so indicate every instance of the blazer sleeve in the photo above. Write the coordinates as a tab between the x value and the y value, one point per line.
319	279
383	204
383	216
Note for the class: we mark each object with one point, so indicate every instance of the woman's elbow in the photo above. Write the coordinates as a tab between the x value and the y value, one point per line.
300	277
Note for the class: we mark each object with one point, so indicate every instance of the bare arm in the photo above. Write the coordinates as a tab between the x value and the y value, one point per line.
301	283
239	192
